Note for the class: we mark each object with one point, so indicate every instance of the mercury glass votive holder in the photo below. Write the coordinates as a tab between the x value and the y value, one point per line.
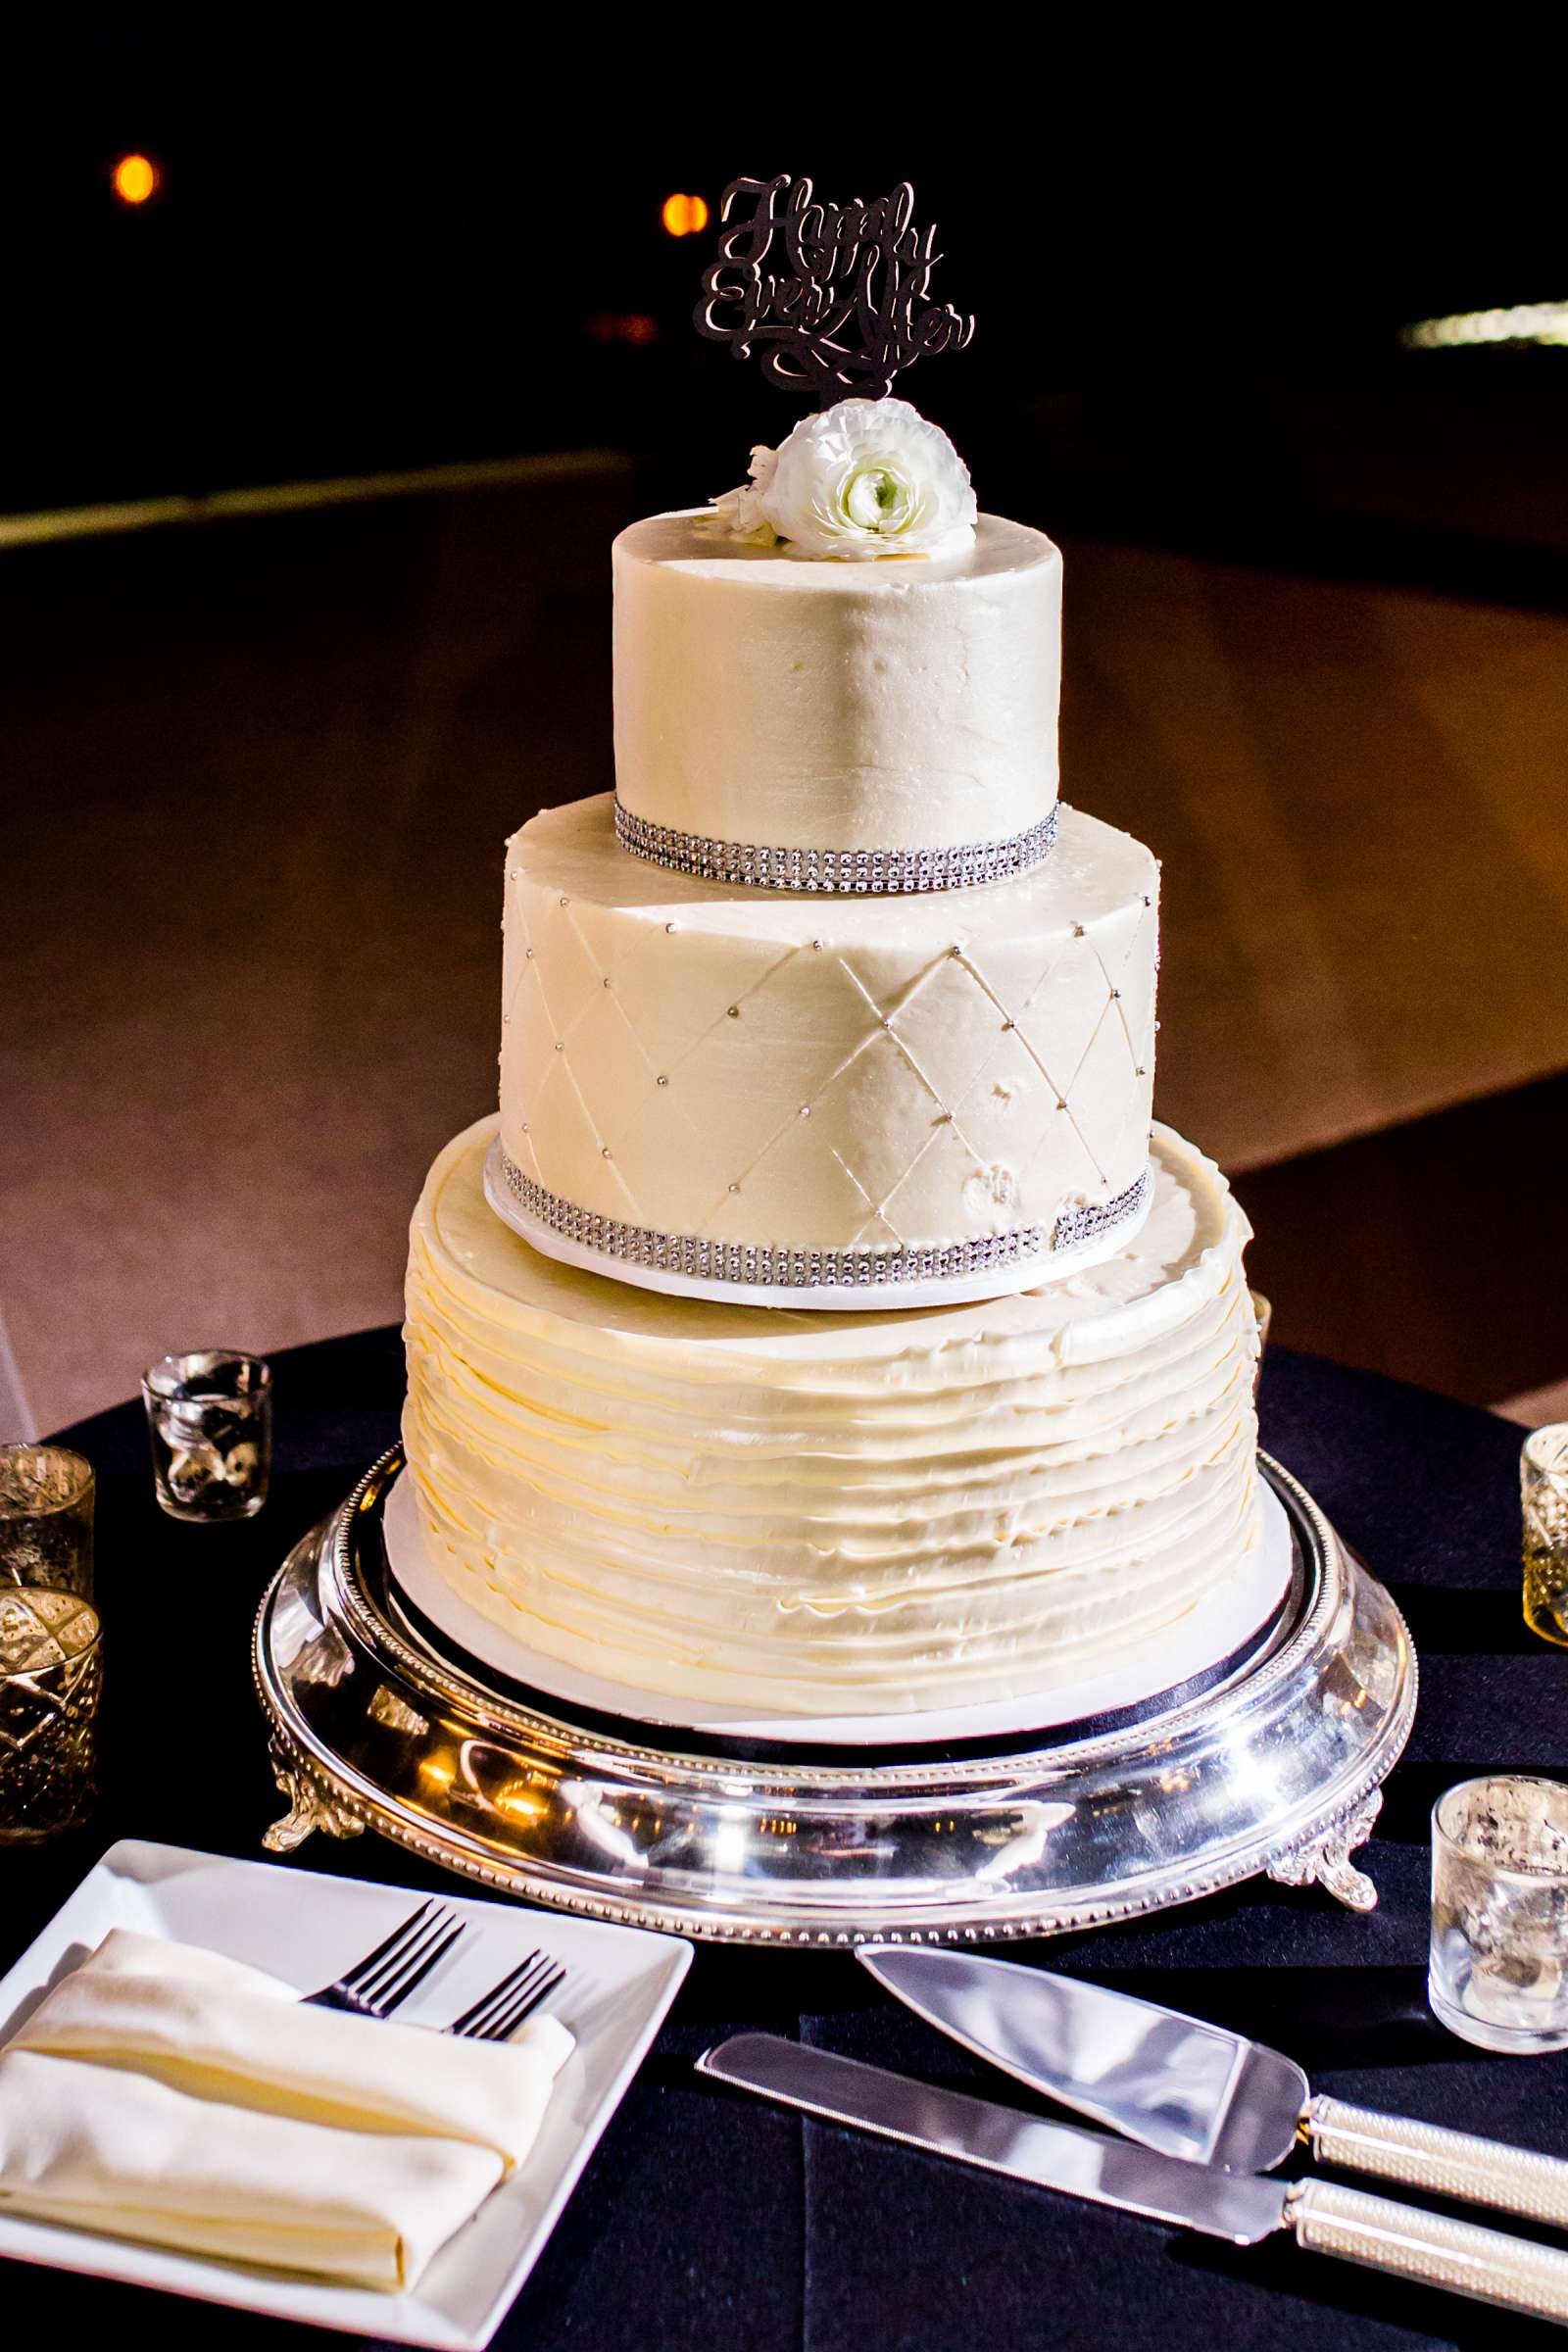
210	1420
51	1678
46	1514
1499	1973
1544	1494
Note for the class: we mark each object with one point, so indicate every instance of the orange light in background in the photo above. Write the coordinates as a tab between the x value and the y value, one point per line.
685	216
136	179
623	326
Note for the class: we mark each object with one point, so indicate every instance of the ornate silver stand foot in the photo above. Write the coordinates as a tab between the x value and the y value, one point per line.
308	1809
1327	1859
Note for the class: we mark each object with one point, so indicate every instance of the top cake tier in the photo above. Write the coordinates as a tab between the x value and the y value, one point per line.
866	726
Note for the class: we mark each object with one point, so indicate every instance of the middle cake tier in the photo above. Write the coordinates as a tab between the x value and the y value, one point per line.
704	1086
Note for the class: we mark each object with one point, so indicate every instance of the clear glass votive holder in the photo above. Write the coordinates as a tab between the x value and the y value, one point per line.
46	1512
1544	1494
51	1678
1499	1973
210	1419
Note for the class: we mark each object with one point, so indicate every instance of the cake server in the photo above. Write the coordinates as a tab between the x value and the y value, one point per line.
1403	2240
1196	2090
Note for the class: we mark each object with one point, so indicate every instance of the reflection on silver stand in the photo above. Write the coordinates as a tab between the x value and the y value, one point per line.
1276	1767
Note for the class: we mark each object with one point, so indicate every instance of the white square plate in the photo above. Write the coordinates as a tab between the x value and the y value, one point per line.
308	1930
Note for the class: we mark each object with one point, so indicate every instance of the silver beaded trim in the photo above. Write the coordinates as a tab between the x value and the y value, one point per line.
755	1264
886	872
1082	1224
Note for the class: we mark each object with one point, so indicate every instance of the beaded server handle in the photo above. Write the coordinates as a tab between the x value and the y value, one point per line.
1448	2164
1430	2249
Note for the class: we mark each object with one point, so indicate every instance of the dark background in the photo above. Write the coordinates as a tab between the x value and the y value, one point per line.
256	767
1189	267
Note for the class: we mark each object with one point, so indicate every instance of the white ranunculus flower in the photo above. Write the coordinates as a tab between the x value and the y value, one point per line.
867	478
741	511
864	479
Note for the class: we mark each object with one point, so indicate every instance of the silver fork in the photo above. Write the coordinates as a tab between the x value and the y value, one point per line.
384	1978
498	2014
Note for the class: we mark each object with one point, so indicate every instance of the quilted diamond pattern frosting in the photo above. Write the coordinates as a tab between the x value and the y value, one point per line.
826	1073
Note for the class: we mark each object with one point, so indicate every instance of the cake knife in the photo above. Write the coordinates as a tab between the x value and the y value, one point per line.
1193	2090
1405	2241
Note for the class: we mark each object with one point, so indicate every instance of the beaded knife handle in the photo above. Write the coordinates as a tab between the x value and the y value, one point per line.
1447	2163
1430	2249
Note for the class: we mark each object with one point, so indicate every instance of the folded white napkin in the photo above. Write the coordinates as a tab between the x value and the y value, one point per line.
166	2093
220	2030
103	2150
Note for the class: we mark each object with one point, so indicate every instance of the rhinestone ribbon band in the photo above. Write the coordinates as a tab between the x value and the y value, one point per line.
888	872
755	1264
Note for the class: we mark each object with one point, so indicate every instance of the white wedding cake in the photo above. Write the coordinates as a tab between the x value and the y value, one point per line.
831	1006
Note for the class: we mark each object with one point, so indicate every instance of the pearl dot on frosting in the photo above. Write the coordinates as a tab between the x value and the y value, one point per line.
660	1081
604	1150
670	926
560	1046
607	982
817	943
734	1188
566	901
1061	1105
734	1013
806	1111
528	951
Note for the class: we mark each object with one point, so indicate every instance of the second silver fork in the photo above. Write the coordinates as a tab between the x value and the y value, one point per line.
498	2013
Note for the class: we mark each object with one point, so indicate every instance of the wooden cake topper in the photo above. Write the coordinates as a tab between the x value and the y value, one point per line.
845	305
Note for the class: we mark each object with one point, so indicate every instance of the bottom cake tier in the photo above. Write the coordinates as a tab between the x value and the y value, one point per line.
818	1513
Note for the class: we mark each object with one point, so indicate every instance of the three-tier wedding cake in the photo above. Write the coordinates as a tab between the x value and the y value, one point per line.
823	1329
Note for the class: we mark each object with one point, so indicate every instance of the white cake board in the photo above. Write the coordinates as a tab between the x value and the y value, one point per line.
1222	1623
829	1298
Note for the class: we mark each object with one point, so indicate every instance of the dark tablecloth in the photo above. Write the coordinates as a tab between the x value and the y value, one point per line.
708	2222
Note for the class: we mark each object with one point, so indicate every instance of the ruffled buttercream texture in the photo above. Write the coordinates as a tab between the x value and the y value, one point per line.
869	1514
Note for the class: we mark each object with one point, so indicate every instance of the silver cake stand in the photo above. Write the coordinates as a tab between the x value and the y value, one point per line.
1272	1764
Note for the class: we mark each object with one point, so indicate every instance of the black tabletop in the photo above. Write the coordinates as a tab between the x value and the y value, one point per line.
710	2222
